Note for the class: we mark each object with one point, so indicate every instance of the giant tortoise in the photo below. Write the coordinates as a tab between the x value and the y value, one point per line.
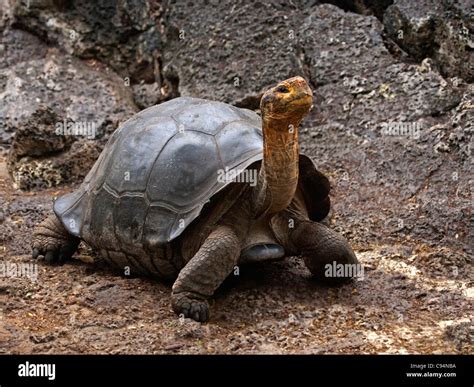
188	189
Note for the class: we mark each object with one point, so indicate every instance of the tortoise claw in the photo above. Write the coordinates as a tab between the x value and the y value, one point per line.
51	256
66	252
190	307
51	240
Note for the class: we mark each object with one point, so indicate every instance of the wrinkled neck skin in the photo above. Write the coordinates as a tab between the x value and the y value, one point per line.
278	177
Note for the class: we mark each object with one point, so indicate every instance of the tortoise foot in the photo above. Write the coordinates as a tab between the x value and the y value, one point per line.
190	306
52	241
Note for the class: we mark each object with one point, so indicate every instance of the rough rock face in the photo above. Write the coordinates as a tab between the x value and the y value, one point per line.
16	47
5	14
126	35
359	83
40	158
441	30
41	87
401	128
363	7
230	58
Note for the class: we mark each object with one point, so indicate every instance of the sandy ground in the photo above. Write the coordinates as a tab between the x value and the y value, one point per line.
397	307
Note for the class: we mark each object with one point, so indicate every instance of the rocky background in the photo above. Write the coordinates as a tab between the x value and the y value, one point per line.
392	128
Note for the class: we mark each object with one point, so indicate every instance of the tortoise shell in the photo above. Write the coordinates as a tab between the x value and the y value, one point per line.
159	169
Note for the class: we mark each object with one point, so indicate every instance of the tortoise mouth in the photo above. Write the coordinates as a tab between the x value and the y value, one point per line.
305	101
290	108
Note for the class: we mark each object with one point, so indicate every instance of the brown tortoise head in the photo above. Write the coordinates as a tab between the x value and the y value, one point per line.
291	99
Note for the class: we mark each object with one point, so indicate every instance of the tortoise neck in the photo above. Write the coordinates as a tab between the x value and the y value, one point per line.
278	177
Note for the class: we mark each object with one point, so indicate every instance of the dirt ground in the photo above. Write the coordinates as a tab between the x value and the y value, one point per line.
415	296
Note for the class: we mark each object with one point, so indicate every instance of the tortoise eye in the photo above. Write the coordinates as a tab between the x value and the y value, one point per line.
282	89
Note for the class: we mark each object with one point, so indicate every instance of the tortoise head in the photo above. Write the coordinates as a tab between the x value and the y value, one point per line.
291	100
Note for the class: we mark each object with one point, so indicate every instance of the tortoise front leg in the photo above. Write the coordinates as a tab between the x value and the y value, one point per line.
203	274
322	249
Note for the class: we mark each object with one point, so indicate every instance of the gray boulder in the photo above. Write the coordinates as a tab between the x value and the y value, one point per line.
46	96
441	30
389	132
125	35
233	50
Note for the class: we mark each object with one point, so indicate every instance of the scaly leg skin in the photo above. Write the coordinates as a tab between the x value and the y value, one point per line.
320	246
204	273
51	239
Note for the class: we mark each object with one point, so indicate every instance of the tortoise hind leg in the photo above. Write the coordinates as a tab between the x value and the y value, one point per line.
52	240
203	274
